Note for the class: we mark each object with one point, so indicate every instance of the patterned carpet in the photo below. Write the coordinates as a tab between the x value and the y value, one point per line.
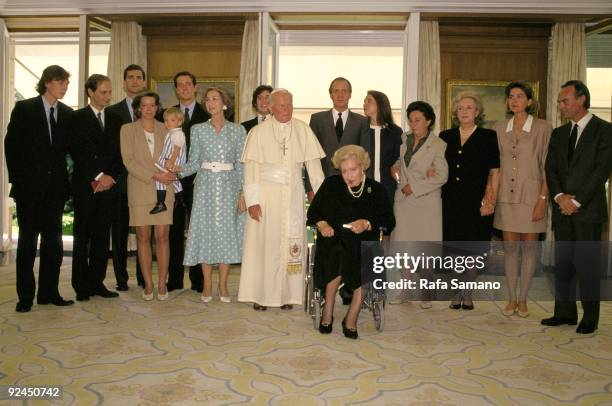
129	352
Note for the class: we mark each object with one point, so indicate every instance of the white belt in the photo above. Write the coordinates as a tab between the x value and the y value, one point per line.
218	166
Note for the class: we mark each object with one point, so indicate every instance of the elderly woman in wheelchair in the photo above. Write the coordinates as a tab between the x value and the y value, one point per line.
347	210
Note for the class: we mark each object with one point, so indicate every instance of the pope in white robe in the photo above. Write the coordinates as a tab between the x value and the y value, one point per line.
274	249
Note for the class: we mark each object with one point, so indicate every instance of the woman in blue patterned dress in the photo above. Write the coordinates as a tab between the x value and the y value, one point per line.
215	227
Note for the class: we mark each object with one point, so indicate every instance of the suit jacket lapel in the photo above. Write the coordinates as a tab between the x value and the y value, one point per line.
421	151
331	125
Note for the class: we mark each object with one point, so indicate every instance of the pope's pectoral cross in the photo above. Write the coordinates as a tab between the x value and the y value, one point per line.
284	148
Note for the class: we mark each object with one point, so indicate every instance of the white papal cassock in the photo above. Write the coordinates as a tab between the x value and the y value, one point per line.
274	250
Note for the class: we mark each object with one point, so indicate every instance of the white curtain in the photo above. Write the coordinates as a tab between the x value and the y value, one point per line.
6	92
429	67
128	46
249	68
566	61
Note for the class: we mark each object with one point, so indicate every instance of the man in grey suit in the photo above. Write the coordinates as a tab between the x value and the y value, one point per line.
338	127
578	164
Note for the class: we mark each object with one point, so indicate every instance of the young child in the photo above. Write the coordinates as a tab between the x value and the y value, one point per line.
172	156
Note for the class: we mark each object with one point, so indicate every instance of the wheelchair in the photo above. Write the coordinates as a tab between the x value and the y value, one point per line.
373	300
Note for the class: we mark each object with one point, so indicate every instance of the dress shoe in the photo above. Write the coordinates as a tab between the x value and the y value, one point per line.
584	328
225	299
82	297
349	332
103	292
198	289
467	307
522	310
556	321
159	207
326	328
206	299
287	307
58	301
259	308
122	287
147	296
509	309
454	306
23	307
162	296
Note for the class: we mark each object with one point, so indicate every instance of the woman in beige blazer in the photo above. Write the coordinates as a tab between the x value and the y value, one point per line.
522	200
422	171
141	145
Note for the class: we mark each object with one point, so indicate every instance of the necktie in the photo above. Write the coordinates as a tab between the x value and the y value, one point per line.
53	123
572	143
339	127
186	124
100	121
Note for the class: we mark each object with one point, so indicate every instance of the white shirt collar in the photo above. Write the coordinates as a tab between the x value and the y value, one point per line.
344	114
526	126
190	107
96	111
582	123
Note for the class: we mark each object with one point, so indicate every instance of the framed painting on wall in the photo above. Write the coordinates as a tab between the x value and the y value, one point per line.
491	94
165	88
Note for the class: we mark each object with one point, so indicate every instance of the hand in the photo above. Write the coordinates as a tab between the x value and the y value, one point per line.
169	165
487	209
255	212
105	183
310	196
241	204
359	226
165	178
395	173
431	173
566	205
539	210
407	190
325	229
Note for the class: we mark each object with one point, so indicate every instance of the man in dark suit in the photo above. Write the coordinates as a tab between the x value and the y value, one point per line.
35	148
260	104
133	83
578	164
185	87
93	143
338	127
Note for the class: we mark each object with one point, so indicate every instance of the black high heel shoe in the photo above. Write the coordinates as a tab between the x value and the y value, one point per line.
349	332
454	306
326	328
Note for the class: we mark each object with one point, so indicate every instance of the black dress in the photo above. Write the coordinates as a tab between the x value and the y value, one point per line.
468	171
341	254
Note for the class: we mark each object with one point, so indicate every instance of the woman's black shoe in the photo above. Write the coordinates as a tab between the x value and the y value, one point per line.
349	332
467	307
454	306
325	328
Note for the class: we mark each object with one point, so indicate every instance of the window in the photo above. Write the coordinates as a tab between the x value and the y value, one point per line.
599	74
309	61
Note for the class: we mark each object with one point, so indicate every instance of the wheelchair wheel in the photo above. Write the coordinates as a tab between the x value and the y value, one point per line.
378	312
316	315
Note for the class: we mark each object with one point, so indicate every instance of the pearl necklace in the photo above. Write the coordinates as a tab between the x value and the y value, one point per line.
358	193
